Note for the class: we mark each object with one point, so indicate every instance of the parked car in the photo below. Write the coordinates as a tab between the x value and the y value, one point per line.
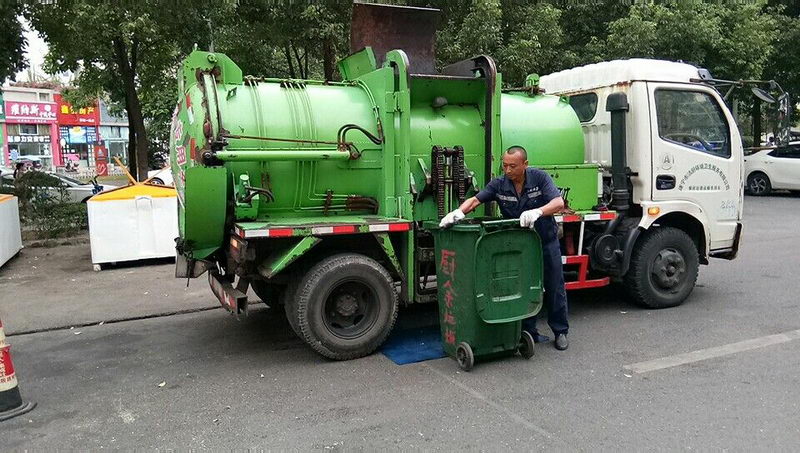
75	191
162	177
772	169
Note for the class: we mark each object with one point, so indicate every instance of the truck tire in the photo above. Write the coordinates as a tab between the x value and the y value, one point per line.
290	306
664	268
346	306
271	295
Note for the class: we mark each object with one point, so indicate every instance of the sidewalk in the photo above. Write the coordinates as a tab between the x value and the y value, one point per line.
46	288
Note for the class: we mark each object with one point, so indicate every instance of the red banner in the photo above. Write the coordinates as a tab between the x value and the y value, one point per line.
77	117
30	112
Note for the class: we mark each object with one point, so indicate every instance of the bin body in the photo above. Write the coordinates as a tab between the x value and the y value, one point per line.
489	278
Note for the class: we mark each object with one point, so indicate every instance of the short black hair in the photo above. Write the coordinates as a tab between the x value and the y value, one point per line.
514	149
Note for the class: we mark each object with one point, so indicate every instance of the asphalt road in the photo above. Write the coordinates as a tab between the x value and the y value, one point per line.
252	384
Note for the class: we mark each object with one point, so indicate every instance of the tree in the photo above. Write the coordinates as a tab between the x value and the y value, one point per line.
122	49
12	40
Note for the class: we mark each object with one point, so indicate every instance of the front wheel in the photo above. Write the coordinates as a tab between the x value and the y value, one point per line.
346	306
663	268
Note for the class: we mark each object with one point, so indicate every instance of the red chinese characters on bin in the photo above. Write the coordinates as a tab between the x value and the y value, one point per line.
447	266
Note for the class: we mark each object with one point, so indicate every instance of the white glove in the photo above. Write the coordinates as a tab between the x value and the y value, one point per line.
451	218
528	218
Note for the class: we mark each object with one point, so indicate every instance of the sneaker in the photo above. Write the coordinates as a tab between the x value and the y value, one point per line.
561	343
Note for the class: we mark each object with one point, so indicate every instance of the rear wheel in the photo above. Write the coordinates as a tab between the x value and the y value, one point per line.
271	295
465	357
663	268
526	345
346	306
758	184
158	181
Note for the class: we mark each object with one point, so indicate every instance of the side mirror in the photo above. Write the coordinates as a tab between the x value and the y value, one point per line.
763	95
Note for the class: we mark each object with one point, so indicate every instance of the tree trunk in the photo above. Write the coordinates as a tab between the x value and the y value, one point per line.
289	61
328	57
136	127
756	122
131	148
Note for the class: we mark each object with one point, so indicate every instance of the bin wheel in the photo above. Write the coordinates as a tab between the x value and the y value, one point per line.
526	344
465	357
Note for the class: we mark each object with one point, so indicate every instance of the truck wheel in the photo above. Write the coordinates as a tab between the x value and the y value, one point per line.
663	269
346	306
271	295
290	306
758	184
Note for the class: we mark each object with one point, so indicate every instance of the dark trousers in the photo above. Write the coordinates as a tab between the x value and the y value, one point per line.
555	295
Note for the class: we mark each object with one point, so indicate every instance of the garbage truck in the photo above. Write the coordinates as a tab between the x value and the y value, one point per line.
315	193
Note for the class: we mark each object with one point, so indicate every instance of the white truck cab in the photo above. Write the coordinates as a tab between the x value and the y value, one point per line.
683	152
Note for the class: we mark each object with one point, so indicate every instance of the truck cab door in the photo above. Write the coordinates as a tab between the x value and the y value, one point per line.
697	155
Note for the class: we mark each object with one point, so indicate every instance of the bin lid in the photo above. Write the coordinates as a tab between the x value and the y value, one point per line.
508	270
137	190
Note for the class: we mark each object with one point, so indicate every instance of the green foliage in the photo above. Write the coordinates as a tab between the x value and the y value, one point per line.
109	40
734	42
45	209
12	41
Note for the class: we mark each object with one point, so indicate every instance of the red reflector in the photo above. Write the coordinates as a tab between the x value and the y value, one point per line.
344	229
572	218
399	226
608	216
280	232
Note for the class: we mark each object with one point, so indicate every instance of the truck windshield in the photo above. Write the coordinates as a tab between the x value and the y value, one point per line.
692	119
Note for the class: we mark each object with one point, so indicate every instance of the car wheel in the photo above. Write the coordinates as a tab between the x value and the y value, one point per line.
158	181
758	184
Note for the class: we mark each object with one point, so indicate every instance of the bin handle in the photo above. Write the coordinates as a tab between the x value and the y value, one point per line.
492	225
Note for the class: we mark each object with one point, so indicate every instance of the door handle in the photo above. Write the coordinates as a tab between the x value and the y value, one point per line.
665	182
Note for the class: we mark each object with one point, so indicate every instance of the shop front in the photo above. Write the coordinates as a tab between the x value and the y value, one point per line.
78	136
31	134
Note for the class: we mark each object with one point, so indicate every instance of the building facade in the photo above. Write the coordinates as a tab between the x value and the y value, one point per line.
30	127
79	139
38	126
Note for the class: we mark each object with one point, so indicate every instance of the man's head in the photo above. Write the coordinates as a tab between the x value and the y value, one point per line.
515	161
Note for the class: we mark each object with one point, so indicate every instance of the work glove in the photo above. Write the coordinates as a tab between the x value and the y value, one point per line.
528	218
451	218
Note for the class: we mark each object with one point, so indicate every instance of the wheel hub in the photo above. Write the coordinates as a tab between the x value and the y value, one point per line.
669	268
346	305
758	185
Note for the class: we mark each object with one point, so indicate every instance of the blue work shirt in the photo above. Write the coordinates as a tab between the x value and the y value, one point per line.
538	190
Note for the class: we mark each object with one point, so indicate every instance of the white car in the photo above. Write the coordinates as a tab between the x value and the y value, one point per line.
772	169
161	177
75	191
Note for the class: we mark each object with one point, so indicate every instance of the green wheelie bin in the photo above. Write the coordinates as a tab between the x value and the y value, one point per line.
489	278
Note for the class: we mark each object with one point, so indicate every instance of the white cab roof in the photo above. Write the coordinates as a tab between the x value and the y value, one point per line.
609	73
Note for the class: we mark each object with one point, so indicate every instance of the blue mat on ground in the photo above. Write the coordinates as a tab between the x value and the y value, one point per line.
414	345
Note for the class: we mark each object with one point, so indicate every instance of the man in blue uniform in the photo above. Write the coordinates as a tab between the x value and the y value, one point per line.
530	195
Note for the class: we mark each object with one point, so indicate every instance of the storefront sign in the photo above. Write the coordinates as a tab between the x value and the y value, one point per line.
30	112
72	116
101	160
28	139
78	135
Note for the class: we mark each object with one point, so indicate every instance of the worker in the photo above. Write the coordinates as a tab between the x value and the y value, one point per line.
531	195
